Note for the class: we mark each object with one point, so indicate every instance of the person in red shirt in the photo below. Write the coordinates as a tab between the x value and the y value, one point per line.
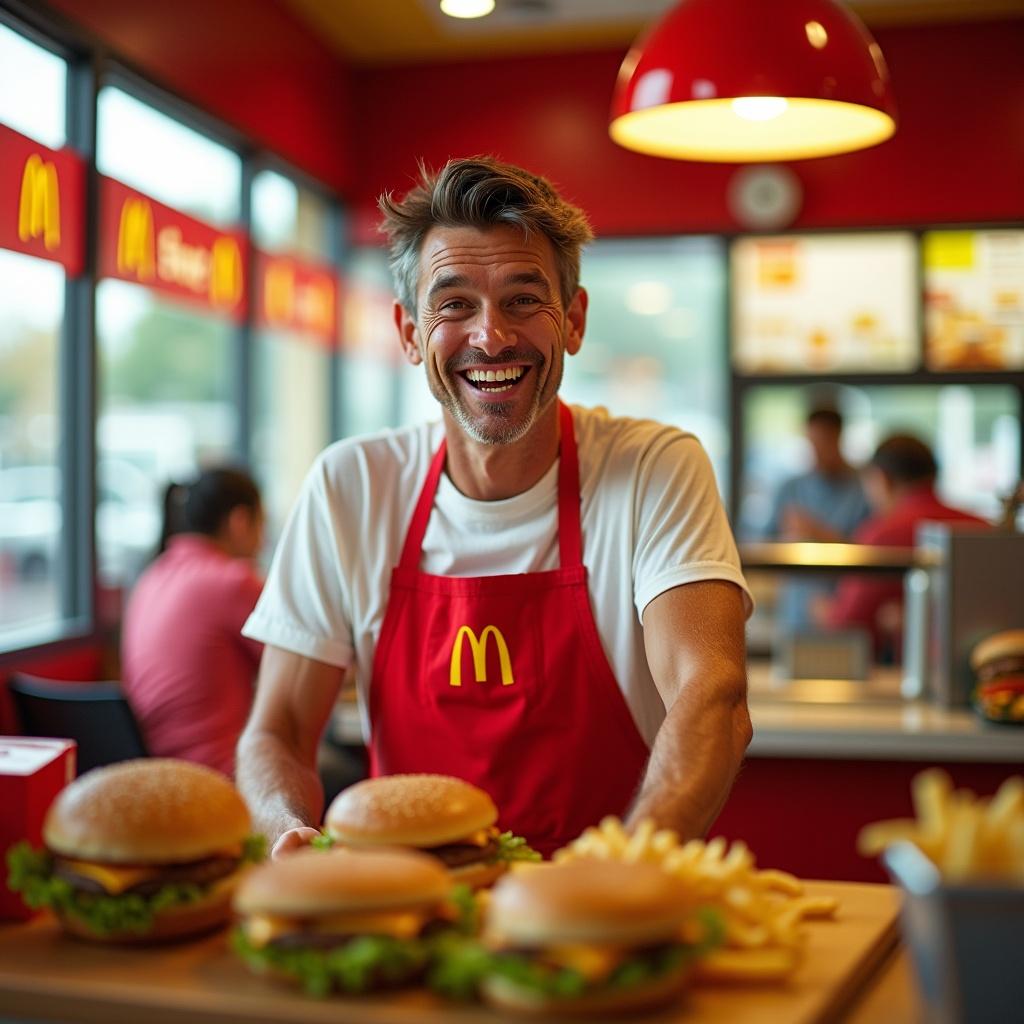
187	671
899	480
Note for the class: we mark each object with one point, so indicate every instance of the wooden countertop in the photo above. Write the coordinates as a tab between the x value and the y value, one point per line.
46	976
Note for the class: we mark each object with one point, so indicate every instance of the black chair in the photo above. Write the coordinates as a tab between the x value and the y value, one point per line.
95	715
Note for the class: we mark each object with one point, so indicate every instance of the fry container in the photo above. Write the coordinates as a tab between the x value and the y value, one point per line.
966	941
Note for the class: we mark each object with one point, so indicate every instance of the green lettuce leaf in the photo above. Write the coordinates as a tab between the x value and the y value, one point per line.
512	848
322	842
362	963
464	901
31	874
457	965
254	849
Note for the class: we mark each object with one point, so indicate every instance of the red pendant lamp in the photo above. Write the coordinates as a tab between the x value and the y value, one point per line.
738	81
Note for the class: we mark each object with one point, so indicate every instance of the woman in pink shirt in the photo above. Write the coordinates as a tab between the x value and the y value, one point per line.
187	670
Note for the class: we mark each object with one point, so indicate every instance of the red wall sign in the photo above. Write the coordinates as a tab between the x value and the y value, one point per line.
148	243
296	295
42	200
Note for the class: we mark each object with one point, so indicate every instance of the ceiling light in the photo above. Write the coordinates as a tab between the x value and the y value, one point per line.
467	8
735	81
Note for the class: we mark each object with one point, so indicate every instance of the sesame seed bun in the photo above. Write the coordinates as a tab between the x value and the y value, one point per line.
587	901
1007	644
408	810
149	811
315	883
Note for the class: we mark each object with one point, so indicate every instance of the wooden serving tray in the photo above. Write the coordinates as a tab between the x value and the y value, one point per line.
45	975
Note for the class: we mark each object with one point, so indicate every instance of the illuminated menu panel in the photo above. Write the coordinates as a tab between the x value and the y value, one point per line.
825	304
974	300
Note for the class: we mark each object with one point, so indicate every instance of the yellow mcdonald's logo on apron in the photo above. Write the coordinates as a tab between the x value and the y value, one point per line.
479	648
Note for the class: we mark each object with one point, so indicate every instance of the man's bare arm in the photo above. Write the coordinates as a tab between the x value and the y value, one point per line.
276	762
694	639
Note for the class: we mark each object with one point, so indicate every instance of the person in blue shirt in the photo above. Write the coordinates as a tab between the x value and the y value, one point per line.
826	504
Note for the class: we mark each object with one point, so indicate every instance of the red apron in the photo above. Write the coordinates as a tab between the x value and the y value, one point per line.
502	681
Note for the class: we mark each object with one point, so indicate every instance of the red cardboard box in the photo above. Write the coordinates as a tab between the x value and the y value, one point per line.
32	772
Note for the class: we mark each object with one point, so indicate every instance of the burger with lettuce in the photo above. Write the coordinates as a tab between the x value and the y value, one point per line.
344	920
142	850
445	817
587	937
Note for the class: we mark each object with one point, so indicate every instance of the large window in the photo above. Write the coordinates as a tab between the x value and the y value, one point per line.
166	385
654	345
973	429
291	417
33	557
371	369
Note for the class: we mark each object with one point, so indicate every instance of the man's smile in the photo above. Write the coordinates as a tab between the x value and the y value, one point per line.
495	380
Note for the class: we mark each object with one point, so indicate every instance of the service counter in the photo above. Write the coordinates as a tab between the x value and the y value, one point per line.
840	719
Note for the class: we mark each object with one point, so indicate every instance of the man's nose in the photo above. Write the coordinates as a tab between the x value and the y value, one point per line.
492	333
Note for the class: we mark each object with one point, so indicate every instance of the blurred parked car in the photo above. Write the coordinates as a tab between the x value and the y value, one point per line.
127	520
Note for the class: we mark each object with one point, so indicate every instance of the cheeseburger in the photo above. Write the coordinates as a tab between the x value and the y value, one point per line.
353	920
450	819
139	851
998	663
587	936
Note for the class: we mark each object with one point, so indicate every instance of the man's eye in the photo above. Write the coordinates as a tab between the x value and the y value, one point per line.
525	300
454	305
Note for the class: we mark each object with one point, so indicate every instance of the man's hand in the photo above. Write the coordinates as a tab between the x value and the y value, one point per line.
292	840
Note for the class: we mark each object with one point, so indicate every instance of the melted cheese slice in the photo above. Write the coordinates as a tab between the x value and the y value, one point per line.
117	879
263	928
593	962
481	838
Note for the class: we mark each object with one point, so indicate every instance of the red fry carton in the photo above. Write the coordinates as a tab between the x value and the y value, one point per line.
32	772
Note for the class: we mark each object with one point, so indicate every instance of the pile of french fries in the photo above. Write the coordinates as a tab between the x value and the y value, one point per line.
761	911
965	837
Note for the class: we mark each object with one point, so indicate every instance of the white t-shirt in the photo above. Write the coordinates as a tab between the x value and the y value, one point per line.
652	519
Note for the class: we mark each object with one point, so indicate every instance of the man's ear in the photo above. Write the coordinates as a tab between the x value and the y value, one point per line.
408	334
576	315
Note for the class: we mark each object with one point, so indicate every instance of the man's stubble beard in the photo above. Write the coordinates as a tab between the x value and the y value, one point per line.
508	433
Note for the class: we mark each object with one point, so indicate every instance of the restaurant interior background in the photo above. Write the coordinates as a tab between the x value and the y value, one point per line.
278	123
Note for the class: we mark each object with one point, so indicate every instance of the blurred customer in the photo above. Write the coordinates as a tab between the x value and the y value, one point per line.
187	670
900	483
825	504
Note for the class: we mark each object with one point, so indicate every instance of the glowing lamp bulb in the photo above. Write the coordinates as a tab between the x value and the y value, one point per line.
467	8
759	108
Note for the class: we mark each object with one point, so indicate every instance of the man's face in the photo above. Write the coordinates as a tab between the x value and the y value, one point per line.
824	441
491	328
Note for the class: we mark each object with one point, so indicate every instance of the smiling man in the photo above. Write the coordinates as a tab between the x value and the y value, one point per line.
543	600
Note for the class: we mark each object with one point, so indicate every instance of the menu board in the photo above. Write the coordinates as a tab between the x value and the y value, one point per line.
974	300
825	303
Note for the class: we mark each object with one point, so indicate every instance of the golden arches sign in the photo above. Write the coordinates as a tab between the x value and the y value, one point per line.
279	292
39	206
225	272
479	648
135	251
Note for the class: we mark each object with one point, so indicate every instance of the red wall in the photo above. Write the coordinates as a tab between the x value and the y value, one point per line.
958	154
252	64
803	816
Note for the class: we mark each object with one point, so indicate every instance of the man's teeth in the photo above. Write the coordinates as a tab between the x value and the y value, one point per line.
487	376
